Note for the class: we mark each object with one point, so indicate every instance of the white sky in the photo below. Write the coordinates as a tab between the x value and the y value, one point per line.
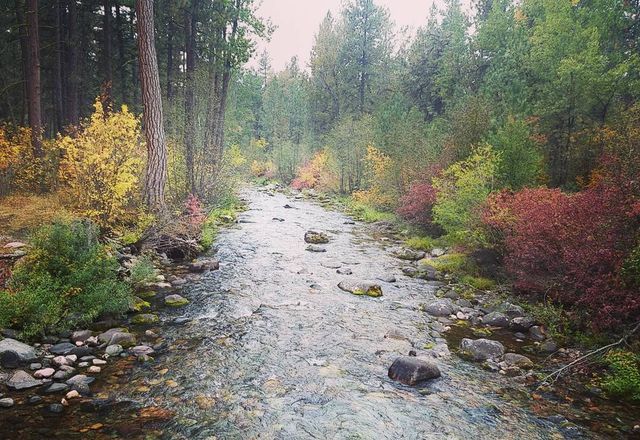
297	22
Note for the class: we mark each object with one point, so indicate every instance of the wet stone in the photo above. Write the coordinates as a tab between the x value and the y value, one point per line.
6	402
56	387
62	348
13	353
22	380
316	237
496	319
411	371
361	288
481	349
175	301
55	408
314	248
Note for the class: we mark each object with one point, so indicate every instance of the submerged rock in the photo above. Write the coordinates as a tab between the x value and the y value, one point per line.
13	353
316	237
204	265
411	371
408	254
361	288
314	248
496	319
175	301
441	307
481	349
145	318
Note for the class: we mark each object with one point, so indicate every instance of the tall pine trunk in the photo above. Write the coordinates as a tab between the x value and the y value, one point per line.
156	172
72	113
190	96
58	101
33	77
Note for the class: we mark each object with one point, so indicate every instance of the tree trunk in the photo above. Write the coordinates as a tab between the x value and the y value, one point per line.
33	77
72	113
24	52
106	55
58	101
121	55
190	97
156	173
171	30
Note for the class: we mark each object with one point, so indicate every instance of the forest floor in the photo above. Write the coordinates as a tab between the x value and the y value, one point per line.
269	346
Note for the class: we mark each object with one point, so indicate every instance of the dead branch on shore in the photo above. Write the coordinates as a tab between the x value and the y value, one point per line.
557	373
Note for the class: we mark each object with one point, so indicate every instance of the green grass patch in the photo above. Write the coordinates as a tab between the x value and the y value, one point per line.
424	243
218	217
623	379
366	213
142	272
479	283
455	264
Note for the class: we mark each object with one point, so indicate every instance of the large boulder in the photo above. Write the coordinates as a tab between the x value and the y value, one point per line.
518	360
361	288
481	349
13	353
105	337
411	371
441	307
22	380
522	323
496	319
175	300
316	237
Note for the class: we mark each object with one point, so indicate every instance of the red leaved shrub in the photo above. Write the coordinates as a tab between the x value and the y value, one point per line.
572	246
194	212
416	205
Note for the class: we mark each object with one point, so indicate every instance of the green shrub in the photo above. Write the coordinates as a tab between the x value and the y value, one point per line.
142	272
366	213
67	279
623	379
552	316
456	264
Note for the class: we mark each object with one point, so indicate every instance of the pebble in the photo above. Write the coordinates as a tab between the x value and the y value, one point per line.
55	408
44	373
99	362
72	395
7	402
34	399
94	369
35	366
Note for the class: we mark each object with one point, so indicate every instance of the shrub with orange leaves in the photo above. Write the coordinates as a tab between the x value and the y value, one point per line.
101	167
381	189
317	173
263	168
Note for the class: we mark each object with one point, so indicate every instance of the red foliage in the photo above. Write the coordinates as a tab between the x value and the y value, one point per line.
416	204
194	211
572	246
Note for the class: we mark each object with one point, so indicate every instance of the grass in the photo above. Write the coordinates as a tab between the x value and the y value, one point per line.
20	214
421	243
455	264
479	283
366	213
217	217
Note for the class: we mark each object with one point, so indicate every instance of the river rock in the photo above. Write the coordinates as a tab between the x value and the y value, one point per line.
7	402
94	369
62	348
80	379
56	387
496	319
518	360
124	339
114	350
64	374
145	319
536	333
315	248
316	237
98	362
142	350
522	323
511	310
44	373
424	271
60	360
13	353
441	307
437	252
408	254
361	288
22	380
548	346
387	278
204	265
105	337
175	301
411	371
344	271
81	335
35	366
56	408
481	349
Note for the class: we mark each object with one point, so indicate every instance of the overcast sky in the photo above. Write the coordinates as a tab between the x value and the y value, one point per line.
297	22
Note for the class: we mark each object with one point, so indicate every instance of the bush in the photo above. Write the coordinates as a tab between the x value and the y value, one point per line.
573	247
381	189
461	192
416	206
520	158
101	167
623	379
142	272
421	243
67	279
317	173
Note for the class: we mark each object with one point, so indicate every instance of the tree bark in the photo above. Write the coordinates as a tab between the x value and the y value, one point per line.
106	54
121	55
58	101
190	97
72	113
156	172
33	77
24	52
171	30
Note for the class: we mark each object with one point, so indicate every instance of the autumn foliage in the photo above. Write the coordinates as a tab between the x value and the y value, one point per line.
316	173
573	247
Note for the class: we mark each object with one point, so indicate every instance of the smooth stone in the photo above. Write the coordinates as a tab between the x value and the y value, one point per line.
496	319
536	333
441	307
145	319
34	399
142	350
35	366
56	408
6	402
81	335
99	362
315	248
175	301
83	364
114	350
56	387
316	237
522	323
518	360
105	337
61	360
44	373
62	348
73	394
411	371
94	369
122	338
361	288
22	380
13	353
80	379
481	349
204	265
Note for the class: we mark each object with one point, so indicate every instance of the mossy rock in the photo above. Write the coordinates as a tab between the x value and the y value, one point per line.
176	301
139	304
146	294
145	318
361	288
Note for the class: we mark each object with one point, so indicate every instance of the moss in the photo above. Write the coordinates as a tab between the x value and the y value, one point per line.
145	318
455	264
139	304
623	379
421	243
481	332
479	283
366	213
429	346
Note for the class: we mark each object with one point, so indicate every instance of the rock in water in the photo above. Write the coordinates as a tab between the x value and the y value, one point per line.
62	348
22	380
411	371
175	301
518	360
314	248
408	254
361	288
204	265
496	319
13	353
481	349
316	237
145	319
441	307
6	402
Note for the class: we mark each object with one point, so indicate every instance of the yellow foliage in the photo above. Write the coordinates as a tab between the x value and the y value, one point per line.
102	165
235	156
381	189
20	214
317	173
263	168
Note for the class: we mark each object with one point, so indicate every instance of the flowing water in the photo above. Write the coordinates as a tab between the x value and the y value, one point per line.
273	349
